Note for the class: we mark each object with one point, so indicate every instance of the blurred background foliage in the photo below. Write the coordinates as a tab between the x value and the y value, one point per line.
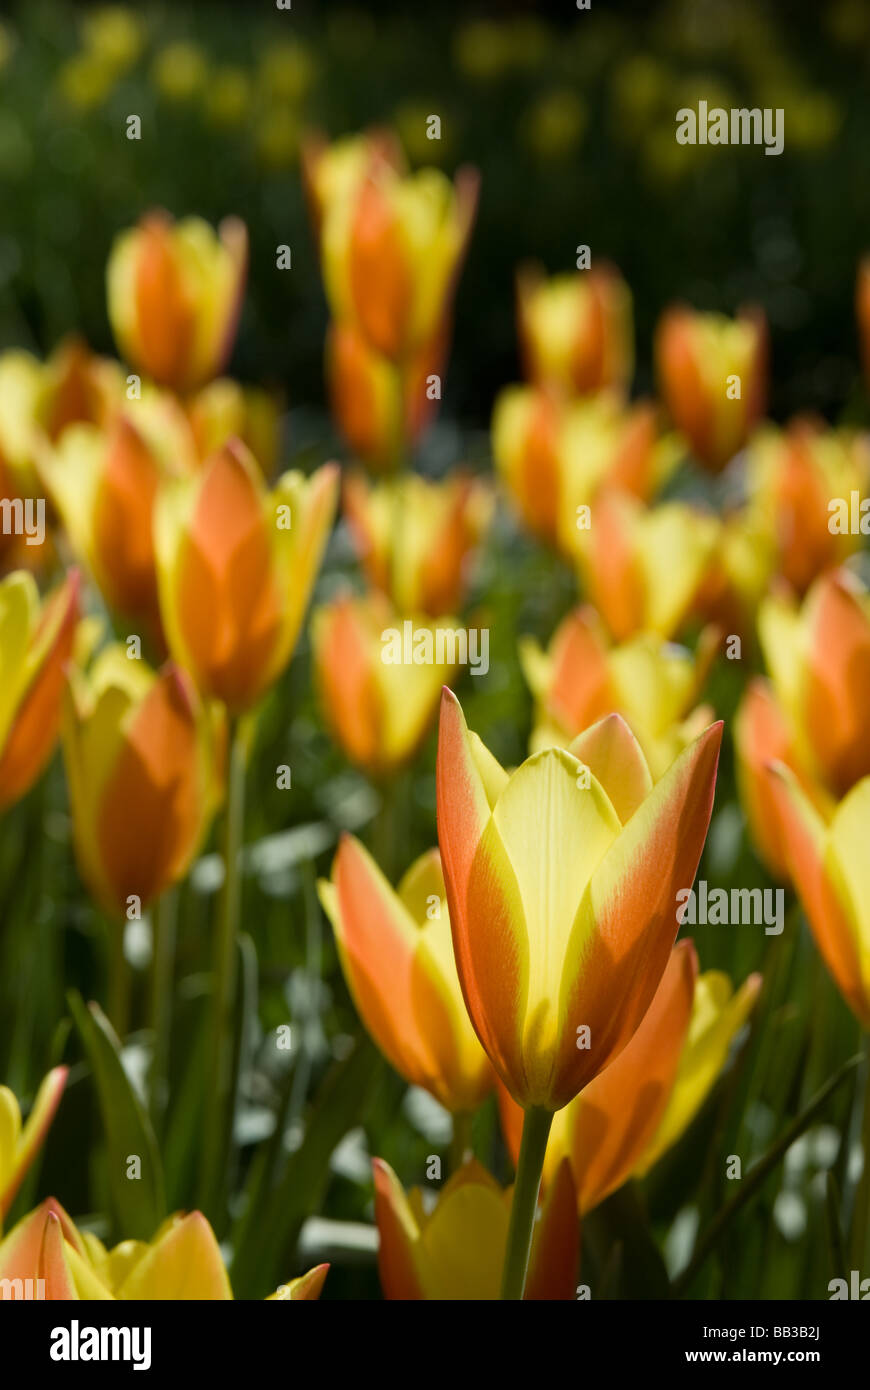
572	126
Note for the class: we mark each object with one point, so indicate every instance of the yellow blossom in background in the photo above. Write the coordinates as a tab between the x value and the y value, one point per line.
180	71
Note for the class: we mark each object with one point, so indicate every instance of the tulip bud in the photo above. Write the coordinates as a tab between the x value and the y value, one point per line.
416	538
713	374
392	251
36	642
379	709
174	294
414	1010
576	330
236	565
140	757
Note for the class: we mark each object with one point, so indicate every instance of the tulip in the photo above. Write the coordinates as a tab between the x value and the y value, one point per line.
379	710
581	677
413	1010
738	574
555	457
558	969
713	376
793	477
77	387
819	660
105	483
576	330
645	569
828	864
21	380
182	1262
36	642
174	294
224	410
416	538
334	173
392	250
639	1106
527	431
19	1144
235	568
138	747
381	408
456	1250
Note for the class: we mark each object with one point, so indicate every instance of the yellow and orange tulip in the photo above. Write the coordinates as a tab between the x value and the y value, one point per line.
703	361
639	1106
830	869
582	677
20	1143
555	457
793	475
558	969
224	410
379	711
413	1010
46	1256
36	642
334	172
140	757
174	294
645	569
416	538
236	565
576	331
456	1250
392	249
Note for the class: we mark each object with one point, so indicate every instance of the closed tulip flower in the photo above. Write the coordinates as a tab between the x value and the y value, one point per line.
174	291
334	172
456	1250
713	374
527	435
382	408
392	250
36	642
645	569
795	477
576	331
413	1009
583	676
416	538
639	1106
378	708
182	1262
20	1143
831	871
139	754
224	410
819	660
105	483
236	565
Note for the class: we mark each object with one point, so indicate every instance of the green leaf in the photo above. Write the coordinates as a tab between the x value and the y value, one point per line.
267	1239
138	1204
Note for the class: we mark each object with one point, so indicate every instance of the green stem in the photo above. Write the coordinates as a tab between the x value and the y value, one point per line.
536	1131
217	1133
860	1234
460	1144
160	1002
118	992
